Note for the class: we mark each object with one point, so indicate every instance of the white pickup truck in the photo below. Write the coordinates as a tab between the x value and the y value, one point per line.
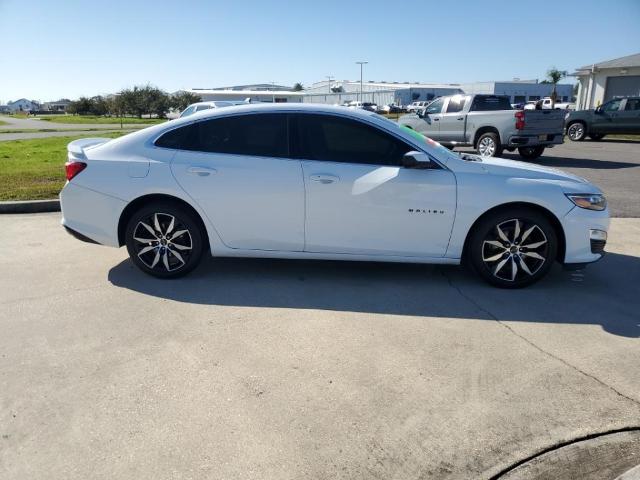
489	124
548	104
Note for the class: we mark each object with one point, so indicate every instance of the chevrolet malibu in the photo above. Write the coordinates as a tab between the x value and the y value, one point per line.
321	182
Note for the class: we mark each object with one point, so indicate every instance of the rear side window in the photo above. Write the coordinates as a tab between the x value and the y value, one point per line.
484	103
263	135
456	104
337	139
632	104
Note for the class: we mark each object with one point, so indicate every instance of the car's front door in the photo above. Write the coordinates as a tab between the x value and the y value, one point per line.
430	124
629	116
359	200
238	170
606	119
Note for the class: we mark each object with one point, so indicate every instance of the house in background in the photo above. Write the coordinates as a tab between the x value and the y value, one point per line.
57	106
23	105
601	82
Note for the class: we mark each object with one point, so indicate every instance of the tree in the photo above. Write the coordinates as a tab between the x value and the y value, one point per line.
298	87
181	100
554	76
98	105
82	106
337	89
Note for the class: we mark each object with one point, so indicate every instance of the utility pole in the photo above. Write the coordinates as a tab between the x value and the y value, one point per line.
330	78
361	64
273	95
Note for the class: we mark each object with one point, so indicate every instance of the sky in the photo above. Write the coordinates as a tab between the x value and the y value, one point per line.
68	48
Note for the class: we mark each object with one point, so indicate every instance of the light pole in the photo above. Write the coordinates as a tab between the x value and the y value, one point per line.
273	95
361	64
329	77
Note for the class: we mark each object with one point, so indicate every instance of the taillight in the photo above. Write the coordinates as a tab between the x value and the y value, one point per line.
519	120
74	168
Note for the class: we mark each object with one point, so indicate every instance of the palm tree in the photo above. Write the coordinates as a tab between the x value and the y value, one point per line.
298	87
554	76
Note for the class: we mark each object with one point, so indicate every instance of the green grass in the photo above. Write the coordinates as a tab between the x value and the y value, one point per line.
3	123
41	130
96	119
34	169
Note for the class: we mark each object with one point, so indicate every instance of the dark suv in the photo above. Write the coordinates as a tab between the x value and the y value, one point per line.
621	115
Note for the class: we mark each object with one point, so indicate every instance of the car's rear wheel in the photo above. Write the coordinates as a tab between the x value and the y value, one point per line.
576	131
488	145
596	136
513	248
164	240
531	153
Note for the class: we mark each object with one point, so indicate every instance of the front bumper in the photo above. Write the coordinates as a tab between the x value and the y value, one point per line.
92	215
585	235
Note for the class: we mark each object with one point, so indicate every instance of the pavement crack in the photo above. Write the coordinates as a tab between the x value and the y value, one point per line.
531	343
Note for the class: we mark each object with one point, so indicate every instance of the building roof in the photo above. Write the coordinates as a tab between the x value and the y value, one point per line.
622	62
246	93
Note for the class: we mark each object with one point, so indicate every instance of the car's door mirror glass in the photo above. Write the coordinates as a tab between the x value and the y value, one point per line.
418	160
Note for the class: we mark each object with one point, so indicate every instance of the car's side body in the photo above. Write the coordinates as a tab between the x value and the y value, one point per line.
294	207
617	116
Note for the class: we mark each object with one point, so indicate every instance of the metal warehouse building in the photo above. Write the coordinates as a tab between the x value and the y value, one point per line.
604	81
520	91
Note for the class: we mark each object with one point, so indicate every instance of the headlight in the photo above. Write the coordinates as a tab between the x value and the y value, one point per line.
590	201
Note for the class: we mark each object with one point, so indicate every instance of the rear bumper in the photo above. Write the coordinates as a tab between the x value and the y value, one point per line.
583	234
535	140
90	215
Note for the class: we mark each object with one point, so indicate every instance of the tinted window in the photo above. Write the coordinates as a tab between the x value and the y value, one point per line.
188	111
202	107
435	106
262	135
456	104
612	106
337	139
633	104
484	103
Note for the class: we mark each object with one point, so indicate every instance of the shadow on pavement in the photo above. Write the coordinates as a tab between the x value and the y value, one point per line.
604	294
567	162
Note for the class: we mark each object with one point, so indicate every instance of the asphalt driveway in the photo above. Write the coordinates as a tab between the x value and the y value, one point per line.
290	369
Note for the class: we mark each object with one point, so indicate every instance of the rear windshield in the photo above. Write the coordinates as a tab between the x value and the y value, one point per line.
483	103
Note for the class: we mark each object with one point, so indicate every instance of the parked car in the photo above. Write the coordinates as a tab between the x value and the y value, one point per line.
322	182
415	106
488	123
621	115
197	107
370	106
391	108
546	103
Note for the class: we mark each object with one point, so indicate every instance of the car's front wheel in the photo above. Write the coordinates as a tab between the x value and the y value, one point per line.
513	248
576	131
164	240
531	153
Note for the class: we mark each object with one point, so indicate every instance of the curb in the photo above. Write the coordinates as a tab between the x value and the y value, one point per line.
30	206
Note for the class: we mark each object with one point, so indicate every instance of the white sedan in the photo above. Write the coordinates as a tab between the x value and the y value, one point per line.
322	182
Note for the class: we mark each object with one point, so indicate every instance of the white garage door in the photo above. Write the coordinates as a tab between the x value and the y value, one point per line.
628	86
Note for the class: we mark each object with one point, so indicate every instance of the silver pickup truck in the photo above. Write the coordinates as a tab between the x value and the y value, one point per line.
489	124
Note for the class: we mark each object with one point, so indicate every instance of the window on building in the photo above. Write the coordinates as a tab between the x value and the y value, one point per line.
519	98
534	97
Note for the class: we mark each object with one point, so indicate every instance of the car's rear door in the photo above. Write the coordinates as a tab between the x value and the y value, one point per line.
359	200
238	170
629	116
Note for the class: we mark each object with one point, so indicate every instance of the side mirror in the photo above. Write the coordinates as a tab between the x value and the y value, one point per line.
598	110
422	112
417	160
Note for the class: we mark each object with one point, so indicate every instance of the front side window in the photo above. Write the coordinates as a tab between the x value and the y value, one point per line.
612	106
337	139
263	135
188	111
435	106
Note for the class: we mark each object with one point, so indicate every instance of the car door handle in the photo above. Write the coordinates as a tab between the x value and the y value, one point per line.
460	118
436	119
201	171
324	179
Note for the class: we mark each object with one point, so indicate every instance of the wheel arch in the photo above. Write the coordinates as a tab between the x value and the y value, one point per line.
555	222
139	202
482	130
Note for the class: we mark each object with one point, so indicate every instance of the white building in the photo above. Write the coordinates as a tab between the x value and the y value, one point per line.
520	91
601	82
22	105
263	92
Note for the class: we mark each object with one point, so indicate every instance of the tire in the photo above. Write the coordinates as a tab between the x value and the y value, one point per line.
496	250
576	131
155	248
531	153
596	136
488	145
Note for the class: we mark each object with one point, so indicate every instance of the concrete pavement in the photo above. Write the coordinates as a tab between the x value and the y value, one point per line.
14	123
289	369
